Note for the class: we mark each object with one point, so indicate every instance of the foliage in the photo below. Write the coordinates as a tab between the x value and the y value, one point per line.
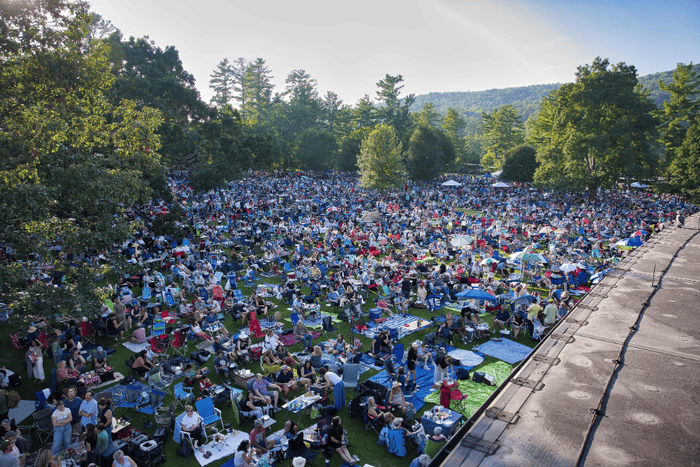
381	160
424	159
316	149
681	108
71	158
221	81
684	172
590	132
349	149
503	130
428	115
520	164
394	112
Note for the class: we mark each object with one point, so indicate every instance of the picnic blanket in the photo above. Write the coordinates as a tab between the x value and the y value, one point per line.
289	339
425	380
404	325
468	358
136	348
506	350
477	392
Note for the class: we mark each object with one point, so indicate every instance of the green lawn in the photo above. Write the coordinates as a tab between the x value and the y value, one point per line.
363	443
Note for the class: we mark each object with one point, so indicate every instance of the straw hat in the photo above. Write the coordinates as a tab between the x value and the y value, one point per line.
395	384
32	328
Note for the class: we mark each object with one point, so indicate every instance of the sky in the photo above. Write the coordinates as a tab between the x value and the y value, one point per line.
436	45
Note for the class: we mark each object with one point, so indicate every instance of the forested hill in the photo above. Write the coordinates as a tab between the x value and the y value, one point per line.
526	99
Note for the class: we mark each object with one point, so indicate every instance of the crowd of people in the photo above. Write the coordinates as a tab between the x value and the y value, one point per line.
325	234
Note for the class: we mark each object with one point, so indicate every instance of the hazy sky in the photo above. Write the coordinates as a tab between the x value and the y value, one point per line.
437	45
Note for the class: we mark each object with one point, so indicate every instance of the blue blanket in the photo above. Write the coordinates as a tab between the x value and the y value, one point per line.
398	322
425	380
505	350
467	358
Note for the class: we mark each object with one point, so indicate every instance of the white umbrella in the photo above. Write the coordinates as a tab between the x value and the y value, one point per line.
486	261
567	267
500	185
451	183
462	240
546	230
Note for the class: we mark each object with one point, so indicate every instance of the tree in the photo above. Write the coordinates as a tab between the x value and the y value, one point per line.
381	160
365	113
520	165
100	28
255	91
503	130
349	149
684	172
394	112
453	124
316	149
424	159
680	109
222	82
590	132
72	160
428	115
331	106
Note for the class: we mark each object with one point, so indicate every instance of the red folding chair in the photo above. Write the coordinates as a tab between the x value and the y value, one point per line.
87	332
160	344
179	343
458	400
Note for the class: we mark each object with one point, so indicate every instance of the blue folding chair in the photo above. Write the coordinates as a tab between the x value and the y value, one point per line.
203	293
169	298
434	303
146	294
294	317
210	414
398	354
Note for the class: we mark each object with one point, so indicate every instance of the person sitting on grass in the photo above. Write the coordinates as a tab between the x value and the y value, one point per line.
142	365
139	334
259	441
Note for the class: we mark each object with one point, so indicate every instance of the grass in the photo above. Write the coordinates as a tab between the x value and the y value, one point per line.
362	443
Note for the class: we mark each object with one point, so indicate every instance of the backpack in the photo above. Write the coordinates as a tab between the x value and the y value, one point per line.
462	373
185	449
12	398
382	436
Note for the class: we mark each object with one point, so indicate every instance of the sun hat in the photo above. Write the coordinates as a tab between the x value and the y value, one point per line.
395	384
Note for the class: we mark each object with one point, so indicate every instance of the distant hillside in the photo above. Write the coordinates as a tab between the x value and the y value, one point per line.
526	99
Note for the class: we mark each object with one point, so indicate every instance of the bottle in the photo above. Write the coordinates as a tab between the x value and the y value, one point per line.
328	462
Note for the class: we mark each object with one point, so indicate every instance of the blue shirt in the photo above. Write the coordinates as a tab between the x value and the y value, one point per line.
90	407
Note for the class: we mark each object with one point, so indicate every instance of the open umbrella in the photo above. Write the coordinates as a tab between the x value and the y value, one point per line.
546	230
528	257
333	209
475	294
525	300
462	240
451	183
640	233
486	261
568	267
634	241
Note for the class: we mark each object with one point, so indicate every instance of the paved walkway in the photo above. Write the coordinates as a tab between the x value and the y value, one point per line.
617	383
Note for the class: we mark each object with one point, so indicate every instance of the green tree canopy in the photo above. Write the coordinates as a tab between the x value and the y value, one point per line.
681	108
520	164
394	112
381	160
221	82
684	172
424	158
590	132
503	130
72	159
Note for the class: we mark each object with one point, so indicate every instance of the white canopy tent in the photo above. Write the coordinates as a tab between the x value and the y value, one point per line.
451	183
500	185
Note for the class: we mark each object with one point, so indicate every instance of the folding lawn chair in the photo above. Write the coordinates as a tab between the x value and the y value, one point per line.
327	324
210	414
183	395
168	298
43	425
146	295
351	375
434	303
87	332
179	342
155	400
